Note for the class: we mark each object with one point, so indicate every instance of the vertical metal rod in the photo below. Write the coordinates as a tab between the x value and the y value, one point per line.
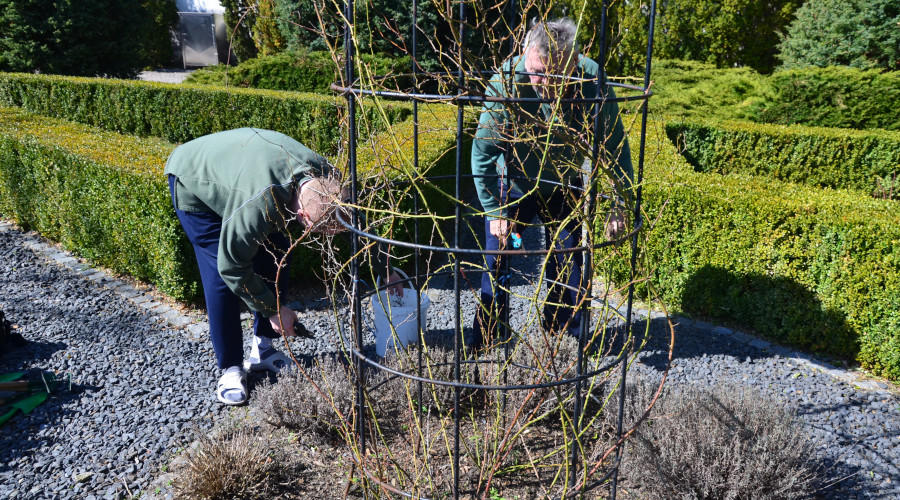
457	339
634	244
417	254
587	266
511	10
354	240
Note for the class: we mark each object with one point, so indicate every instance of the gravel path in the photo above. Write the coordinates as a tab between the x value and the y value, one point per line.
142	387
138	391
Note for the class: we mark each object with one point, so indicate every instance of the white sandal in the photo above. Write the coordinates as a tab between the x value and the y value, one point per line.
232	387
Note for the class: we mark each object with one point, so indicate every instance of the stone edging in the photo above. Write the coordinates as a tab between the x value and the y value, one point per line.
146	298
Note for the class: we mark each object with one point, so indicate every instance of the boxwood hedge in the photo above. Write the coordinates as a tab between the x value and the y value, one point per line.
833	97
810	267
100	194
300	71
103	196
823	157
179	113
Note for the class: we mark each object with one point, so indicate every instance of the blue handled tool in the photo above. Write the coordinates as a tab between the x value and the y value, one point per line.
516	240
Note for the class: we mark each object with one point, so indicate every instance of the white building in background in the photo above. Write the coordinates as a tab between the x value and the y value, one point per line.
201	33
208	6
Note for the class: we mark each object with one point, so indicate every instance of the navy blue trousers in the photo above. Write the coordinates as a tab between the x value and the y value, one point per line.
222	305
559	312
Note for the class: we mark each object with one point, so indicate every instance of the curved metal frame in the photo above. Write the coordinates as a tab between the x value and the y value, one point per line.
361	360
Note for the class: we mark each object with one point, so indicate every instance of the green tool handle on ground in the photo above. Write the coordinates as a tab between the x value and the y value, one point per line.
25	405
13	382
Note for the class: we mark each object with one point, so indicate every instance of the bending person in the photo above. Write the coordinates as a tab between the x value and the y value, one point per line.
235	192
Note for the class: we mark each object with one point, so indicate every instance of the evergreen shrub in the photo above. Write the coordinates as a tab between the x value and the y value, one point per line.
858	33
815	268
823	157
180	113
833	97
690	89
726	34
98	38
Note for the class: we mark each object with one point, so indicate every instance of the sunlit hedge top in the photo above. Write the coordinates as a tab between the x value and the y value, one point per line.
180	113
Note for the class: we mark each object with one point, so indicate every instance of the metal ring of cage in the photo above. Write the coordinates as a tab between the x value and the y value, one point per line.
359	354
348	225
479	98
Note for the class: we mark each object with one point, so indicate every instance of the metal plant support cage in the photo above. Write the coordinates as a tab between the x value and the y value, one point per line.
574	382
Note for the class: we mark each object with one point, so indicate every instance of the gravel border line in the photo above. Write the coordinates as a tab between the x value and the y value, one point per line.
197	327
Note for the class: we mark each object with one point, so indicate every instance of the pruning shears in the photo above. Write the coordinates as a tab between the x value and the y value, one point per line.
516	240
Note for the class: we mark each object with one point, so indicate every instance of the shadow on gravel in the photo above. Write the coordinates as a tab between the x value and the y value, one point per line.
690	342
27	354
776	307
56	411
875	443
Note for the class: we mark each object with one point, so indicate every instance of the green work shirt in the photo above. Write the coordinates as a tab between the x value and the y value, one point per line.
536	138
247	176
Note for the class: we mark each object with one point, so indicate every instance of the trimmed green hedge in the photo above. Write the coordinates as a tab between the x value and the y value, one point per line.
823	157
838	97
692	89
180	113
814	268
100	194
833	97
295	71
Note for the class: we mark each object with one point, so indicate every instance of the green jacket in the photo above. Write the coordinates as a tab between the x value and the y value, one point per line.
547	153
247	176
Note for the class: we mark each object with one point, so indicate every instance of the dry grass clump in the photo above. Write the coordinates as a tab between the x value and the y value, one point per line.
233	463
319	401
727	443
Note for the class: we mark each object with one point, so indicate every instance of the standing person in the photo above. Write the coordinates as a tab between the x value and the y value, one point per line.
235	192
527	161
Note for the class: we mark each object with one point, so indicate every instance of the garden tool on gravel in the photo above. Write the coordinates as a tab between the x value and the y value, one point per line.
25	405
301	331
13	383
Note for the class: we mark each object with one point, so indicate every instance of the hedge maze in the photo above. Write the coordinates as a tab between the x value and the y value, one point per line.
784	230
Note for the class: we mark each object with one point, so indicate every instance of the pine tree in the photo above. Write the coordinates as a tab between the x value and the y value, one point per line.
862	34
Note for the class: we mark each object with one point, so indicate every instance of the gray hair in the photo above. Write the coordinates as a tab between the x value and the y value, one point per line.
555	37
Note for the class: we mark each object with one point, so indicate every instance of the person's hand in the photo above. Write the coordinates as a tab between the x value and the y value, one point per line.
615	223
500	228
395	285
286	317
